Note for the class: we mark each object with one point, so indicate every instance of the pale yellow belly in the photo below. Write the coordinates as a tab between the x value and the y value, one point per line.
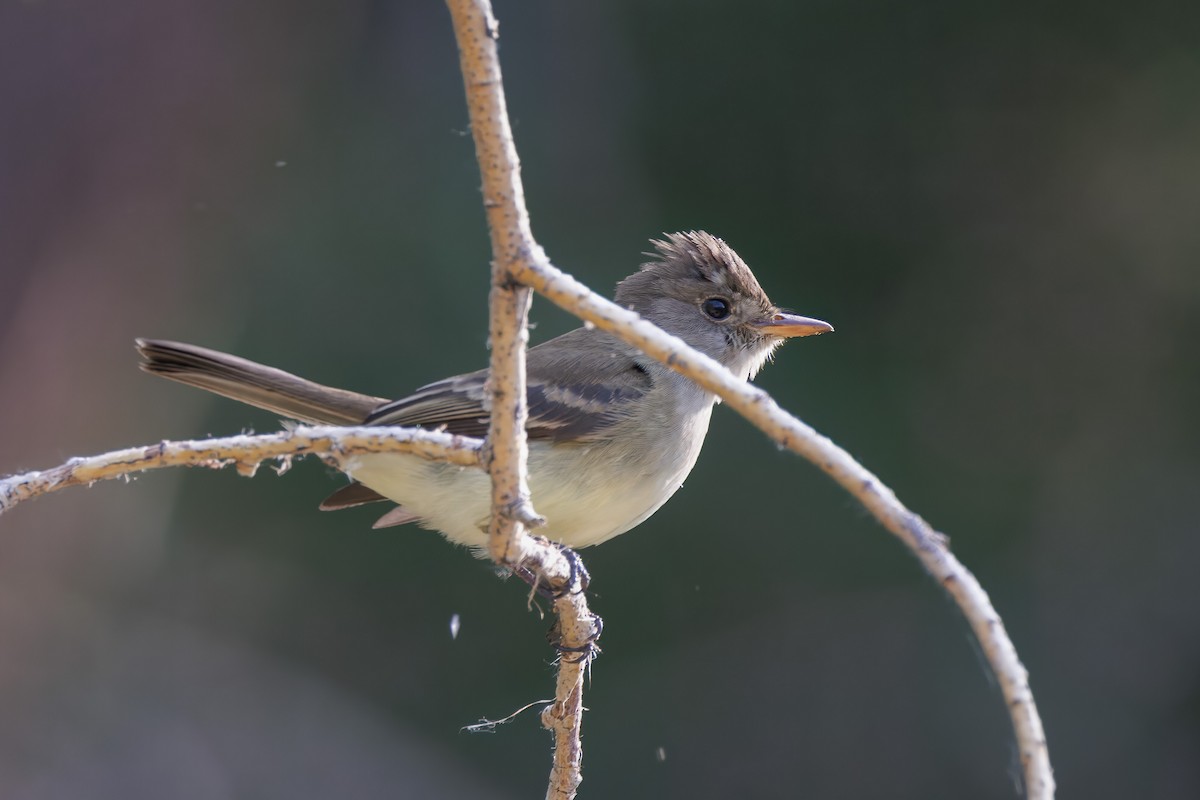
587	493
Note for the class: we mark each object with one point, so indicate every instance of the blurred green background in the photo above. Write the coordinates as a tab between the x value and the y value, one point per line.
997	206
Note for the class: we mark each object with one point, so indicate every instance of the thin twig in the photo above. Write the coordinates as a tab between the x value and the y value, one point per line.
244	452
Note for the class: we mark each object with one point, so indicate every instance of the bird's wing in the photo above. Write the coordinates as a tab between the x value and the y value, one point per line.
576	391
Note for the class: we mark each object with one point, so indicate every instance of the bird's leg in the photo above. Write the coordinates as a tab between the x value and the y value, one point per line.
578	574
578	571
535	582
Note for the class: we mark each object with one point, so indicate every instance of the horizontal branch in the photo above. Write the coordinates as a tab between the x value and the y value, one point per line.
244	452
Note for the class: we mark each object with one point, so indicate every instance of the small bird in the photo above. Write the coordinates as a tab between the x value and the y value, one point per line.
612	432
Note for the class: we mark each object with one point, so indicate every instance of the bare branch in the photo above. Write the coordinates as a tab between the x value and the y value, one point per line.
512	242
244	452
577	630
514	251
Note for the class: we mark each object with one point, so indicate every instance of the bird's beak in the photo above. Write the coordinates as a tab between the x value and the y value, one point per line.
792	325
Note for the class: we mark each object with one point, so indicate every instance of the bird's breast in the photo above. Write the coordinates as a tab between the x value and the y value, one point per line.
592	492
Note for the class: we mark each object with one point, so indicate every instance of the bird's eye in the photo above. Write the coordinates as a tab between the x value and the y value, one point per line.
716	307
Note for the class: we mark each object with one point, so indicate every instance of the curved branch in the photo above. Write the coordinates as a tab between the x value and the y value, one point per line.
929	546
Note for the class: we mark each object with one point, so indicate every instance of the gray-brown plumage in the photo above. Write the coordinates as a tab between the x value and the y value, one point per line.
612	432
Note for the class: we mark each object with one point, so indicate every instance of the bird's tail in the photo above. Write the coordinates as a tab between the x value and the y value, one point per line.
256	384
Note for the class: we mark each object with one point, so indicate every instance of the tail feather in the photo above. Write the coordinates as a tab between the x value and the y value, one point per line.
256	384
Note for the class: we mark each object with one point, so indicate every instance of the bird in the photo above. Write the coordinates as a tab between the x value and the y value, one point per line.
612	432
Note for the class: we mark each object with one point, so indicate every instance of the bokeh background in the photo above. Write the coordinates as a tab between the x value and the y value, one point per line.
996	204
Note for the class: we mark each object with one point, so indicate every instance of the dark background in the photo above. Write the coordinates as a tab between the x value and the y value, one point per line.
996	204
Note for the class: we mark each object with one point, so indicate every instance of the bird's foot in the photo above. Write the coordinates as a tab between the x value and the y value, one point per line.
584	652
578	575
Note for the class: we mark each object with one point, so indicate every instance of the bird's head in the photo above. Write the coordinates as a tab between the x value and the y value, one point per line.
699	289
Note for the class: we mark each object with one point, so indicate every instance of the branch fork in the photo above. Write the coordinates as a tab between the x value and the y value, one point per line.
520	266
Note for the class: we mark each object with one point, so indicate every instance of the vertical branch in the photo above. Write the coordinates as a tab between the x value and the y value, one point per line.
513	252
512	241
